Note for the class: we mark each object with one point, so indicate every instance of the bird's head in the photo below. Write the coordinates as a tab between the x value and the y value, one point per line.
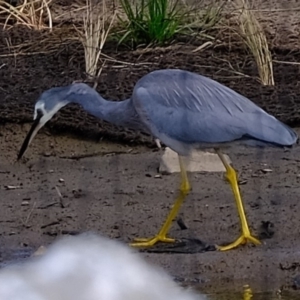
48	104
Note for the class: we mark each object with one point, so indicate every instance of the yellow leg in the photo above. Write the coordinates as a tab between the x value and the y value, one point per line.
246	235
162	234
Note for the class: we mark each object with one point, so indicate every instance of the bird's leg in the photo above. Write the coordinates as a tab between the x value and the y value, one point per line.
162	234
246	236
157	142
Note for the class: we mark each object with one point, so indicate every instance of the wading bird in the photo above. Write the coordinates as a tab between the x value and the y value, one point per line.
183	110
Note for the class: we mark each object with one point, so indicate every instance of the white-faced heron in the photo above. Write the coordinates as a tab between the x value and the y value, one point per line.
183	110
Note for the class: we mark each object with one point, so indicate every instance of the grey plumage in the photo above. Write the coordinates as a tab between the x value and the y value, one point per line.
180	108
190	108
183	110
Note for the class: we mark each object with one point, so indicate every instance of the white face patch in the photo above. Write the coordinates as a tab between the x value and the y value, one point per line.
39	106
47	115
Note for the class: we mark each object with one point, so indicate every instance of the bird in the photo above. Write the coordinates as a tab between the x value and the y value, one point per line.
90	266
185	111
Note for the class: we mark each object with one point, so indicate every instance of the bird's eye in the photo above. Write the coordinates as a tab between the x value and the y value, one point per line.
39	113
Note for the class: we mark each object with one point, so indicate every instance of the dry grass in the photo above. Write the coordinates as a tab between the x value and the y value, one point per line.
43	43
255	39
97	24
205	16
96	20
31	13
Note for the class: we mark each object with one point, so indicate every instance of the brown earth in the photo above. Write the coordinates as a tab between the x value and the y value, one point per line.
117	194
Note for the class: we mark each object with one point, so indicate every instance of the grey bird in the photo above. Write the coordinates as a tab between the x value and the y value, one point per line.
183	110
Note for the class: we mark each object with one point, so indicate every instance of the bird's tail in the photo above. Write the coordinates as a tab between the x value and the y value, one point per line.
273	131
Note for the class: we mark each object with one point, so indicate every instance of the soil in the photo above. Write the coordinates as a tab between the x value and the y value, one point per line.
84	174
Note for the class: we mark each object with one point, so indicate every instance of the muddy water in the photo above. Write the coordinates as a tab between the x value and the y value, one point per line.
255	296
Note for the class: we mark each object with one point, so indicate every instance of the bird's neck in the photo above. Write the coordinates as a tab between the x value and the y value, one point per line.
121	113
116	112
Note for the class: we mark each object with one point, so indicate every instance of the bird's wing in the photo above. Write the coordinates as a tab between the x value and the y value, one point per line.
194	109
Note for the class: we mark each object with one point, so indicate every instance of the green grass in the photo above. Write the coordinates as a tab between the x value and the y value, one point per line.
158	22
150	21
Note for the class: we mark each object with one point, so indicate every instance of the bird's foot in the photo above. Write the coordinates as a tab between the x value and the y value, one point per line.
140	242
242	240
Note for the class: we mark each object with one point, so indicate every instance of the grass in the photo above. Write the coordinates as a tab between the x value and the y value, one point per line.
159	22
33	14
255	40
147	22
204	17
150	21
97	23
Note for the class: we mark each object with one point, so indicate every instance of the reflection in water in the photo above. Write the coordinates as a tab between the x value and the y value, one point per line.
248	294
17	255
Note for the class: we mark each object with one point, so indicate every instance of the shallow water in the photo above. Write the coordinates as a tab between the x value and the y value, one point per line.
255	296
19	255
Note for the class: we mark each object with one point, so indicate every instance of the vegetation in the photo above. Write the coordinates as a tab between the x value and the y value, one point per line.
201	19
145	23
31	13
94	34
150	21
255	40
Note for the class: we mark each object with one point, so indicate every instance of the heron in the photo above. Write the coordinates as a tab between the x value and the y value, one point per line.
185	111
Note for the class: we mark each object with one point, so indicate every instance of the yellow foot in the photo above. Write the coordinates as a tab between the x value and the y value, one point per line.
151	241
240	241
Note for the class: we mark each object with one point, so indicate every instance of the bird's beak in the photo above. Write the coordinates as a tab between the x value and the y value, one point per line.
36	126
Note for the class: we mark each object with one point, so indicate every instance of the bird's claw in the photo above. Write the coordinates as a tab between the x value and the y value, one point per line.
148	242
242	240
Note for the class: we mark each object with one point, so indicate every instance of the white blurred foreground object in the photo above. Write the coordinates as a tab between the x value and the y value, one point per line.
89	267
197	161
